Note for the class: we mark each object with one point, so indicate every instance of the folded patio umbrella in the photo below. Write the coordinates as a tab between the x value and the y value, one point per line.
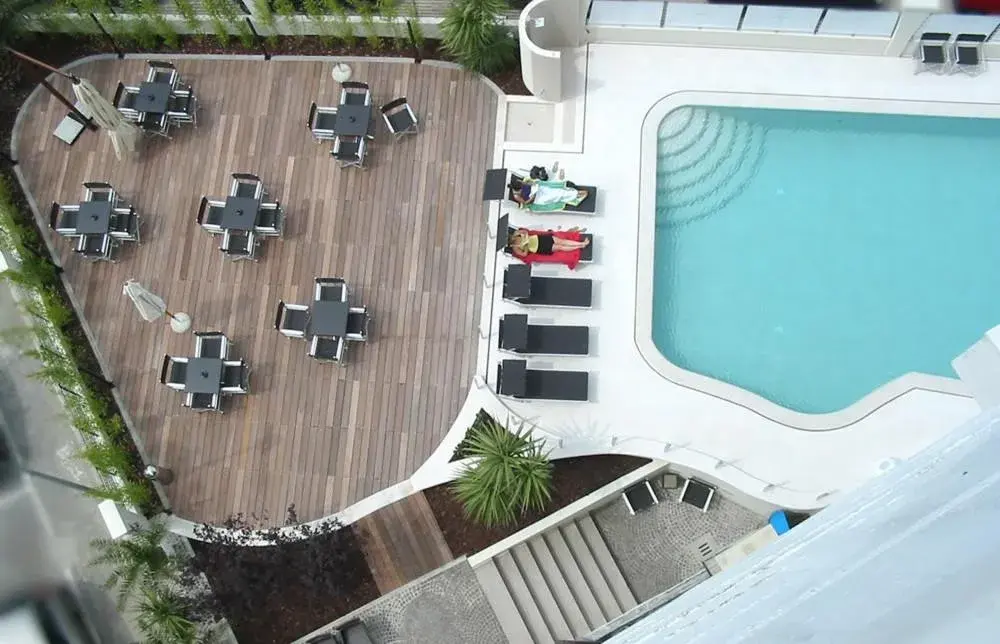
124	135
152	307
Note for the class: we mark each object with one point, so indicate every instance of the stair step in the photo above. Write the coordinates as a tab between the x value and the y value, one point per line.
591	571
522	598
559	587
541	592
606	562
503	605
572	572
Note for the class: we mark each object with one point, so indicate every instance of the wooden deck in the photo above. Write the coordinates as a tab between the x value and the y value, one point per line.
406	233
403	542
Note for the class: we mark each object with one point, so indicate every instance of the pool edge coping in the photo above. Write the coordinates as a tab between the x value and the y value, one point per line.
645	248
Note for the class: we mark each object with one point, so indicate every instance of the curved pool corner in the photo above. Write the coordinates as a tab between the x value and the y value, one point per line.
875	399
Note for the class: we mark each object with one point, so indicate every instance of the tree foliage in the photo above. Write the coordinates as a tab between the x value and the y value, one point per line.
163	615
474	34
511	473
136	559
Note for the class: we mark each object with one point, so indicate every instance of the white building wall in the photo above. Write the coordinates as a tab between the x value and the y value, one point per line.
910	558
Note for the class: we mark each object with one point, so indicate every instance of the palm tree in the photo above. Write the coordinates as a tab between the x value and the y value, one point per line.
136	559
473	32
510	474
162	615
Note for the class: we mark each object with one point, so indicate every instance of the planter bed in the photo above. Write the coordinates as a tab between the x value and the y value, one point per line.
572	478
265	596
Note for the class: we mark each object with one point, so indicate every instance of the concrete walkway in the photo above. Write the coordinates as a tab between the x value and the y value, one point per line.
46	523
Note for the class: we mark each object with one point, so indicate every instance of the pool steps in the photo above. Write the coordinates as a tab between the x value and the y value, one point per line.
705	159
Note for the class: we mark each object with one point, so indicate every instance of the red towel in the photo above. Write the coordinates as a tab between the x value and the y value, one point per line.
568	257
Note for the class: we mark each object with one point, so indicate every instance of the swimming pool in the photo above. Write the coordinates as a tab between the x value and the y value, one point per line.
811	257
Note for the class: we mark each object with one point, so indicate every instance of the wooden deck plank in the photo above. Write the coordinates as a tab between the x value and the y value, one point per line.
406	233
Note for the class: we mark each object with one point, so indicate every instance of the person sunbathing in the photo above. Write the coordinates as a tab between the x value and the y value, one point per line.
524	242
554	195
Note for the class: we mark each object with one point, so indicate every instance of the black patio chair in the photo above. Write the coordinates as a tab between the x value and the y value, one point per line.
321	122
932	53
270	220
399	118
357	324
162	72
355	93
96	247
235	377
349	151
239	245
968	54
292	320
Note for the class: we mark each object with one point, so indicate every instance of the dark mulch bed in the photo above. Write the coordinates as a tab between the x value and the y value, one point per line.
269	599
572	478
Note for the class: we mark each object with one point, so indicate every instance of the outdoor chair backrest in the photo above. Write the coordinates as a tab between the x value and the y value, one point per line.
292	319
180	106
202	402
213	217
968	49
330	289
210	344
246	185
399	117
330	349
354	93
93	246
234	376
357	323
174	372
153	122
236	242
269	219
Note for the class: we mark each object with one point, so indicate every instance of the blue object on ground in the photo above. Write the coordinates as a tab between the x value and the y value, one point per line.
779	521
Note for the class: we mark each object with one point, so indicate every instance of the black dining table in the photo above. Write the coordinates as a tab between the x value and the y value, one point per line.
153	98
94	218
328	319
240	213
352	120
203	375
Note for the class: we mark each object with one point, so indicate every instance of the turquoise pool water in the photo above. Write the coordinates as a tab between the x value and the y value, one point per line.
811	257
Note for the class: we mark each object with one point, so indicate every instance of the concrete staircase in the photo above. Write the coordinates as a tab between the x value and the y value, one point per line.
558	585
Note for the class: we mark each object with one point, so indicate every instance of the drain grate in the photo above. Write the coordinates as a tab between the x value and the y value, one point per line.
704	547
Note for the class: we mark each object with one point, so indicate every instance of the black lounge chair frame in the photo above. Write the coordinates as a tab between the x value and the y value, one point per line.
520	287
515	380
517	336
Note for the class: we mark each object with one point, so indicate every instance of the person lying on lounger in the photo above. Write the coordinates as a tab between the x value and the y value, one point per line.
546	195
526	242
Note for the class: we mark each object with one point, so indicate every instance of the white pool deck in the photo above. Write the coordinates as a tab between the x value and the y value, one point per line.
781	457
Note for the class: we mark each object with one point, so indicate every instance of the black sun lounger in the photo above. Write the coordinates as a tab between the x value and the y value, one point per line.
514	379
495	189
586	207
517	336
586	253
521	287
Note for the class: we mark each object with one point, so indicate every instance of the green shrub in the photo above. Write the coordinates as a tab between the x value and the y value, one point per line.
511	474
163	616
473	33
136	559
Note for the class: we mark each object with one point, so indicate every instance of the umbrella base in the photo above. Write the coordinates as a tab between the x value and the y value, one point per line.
180	322
341	72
